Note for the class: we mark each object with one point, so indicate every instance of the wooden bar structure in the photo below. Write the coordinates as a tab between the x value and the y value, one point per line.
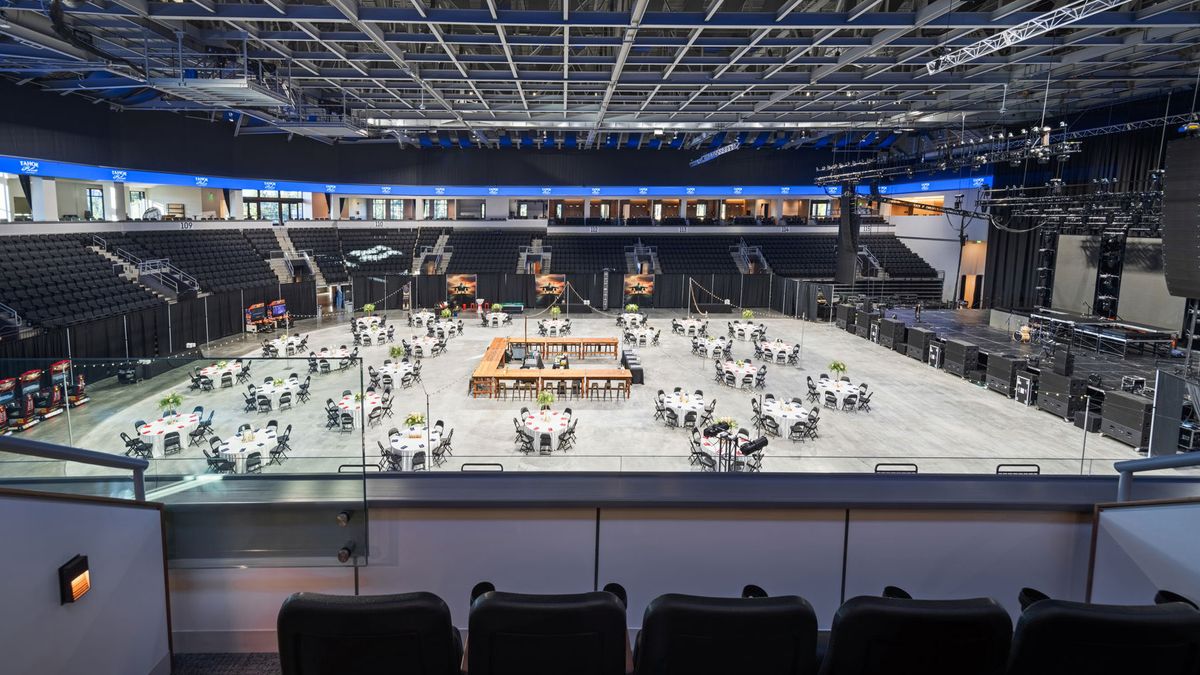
488	376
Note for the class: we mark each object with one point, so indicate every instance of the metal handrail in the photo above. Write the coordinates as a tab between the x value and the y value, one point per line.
99	241
1128	467
24	446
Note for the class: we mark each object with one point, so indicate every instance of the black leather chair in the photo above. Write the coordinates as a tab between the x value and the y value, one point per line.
902	636
516	634
1058	636
405	634
693	635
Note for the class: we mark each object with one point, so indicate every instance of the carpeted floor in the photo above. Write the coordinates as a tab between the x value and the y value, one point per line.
226	664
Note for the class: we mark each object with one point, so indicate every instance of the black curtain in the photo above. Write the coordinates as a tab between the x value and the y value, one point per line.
756	290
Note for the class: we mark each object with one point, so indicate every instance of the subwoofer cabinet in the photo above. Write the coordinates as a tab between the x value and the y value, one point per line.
844	317
892	334
1061	395
1126	417
1002	373
960	358
863	322
918	340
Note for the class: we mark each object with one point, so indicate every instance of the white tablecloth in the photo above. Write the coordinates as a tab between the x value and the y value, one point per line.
154	430
281	344
236	449
397	369
786	413
740	371
775	348
840	389
632	319
449	328
551	422
684	402
339	353
214	372
714	445
425	343
404	445
367	322
272	391
711	346
372	401
376	334
691	326
644	335
743	331
554	326
495	318
422	318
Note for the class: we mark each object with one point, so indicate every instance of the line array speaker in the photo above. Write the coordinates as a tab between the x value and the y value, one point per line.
1181	218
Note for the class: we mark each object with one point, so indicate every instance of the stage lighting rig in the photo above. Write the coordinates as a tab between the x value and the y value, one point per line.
1102	206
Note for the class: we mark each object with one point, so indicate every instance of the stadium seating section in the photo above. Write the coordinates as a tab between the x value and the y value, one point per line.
54	280
496	251
378	251
322	243
221	260
590	253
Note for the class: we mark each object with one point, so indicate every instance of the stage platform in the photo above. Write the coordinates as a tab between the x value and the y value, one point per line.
976	327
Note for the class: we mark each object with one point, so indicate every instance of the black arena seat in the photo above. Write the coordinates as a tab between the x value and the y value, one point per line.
901	636
408	633
1058	636
516	634
693	635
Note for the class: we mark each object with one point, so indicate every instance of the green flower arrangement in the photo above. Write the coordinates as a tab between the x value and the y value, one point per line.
545	399
222	364
278	382
446	313
396	352
555	311
170	402
838	367
728	421
747	314
358	397
414	419
368	308
497	307
631	307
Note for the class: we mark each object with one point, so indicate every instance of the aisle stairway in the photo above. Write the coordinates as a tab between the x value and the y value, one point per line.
129	272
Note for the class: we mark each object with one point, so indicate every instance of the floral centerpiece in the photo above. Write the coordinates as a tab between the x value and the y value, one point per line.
396	352
368	308
747	314
555	311
358	397
727	421
545	400
278	382
497	307
446	313
222	364
740	364
838	368
170	402
414	419
631	308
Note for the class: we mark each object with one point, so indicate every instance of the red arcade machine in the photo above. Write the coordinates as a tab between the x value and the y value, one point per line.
47	399
17	405
4	430
77	393
256	319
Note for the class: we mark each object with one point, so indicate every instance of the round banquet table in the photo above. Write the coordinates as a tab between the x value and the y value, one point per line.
786	413
554	326
282	344
368	322
216	372
404	444
714	446
632	319
495	318
741	371
775	348
422	318
840	389
683	403
348	403
273	391
710	347
378	334
154	430
422	346
551	422
237	449
327	353
691	326
644	335
449	328
743	331
397	369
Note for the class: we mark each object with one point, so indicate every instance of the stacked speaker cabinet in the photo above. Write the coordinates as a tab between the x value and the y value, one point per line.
918	343
844	317
893	334
1002	373
863	321
1060	394
1181	218
960	358
1126	417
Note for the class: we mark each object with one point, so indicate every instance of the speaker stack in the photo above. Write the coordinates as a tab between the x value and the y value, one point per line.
1181	218
892	334
918	343
1126	417
845	317
863	323
1002	373
1060	394
960	358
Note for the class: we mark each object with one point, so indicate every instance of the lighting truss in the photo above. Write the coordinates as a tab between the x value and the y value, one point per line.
1034	144
1034	27
1102	206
